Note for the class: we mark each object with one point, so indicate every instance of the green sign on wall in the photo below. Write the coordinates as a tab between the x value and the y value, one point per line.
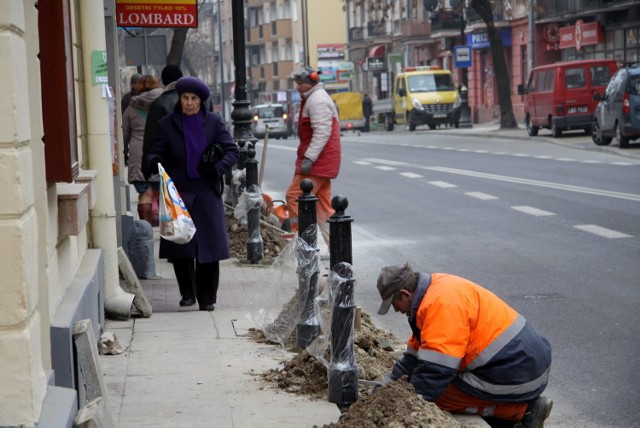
99	75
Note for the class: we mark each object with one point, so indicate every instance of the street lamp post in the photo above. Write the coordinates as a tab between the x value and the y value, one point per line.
465	113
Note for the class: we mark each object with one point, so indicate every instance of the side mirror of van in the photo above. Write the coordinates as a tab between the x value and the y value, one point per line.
402	92
597	97
521	89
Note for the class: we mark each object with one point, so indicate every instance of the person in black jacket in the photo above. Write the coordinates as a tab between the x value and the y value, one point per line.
367	111
160	107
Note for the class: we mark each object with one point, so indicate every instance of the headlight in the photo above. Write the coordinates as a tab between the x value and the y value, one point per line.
457	102
255	118
416	103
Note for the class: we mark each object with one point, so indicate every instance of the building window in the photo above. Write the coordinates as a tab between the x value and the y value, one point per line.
57	89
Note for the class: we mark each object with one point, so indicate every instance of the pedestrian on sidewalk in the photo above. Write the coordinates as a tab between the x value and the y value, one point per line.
469	351
319	151
179	143
133	123
126	98
159	108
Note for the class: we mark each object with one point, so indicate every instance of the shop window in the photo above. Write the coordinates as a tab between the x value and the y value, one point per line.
57	89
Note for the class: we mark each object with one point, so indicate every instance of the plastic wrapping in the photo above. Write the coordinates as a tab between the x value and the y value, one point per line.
274	308
248	200
335	302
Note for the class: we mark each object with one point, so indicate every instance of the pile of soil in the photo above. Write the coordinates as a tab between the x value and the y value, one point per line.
375	352
272	240
396	405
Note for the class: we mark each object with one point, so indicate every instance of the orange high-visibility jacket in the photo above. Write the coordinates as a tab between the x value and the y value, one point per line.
465	334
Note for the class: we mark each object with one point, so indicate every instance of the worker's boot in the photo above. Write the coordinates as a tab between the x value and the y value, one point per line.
144	212
537	412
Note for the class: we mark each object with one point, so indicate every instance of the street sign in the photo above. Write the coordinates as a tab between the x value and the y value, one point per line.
462	56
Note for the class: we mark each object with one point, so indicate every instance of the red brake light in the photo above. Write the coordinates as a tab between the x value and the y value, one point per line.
625	104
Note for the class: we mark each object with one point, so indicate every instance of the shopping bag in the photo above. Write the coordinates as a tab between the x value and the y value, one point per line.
176	224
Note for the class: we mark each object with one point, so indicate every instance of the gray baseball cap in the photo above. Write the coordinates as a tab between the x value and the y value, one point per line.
392	278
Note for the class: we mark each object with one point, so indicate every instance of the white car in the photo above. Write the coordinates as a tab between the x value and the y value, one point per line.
273	116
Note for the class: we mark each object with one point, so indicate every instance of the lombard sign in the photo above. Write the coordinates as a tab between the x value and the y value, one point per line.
481	40
330	51
157	13
581	34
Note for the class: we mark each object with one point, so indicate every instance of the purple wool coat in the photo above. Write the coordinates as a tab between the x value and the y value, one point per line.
205	206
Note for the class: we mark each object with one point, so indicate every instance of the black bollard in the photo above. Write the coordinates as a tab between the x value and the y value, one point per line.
340	232
254	238
343	369
307	328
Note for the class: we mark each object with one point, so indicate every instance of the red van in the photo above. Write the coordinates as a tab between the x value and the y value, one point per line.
560	96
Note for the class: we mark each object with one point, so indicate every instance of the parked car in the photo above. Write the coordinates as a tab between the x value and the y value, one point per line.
275	117
617	115
559	96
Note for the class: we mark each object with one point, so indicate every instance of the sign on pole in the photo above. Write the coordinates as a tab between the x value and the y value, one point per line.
157	13
462	56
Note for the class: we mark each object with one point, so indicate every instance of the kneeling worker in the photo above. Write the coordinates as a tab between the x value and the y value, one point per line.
469	352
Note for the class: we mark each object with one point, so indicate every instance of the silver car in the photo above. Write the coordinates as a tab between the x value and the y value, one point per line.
275	118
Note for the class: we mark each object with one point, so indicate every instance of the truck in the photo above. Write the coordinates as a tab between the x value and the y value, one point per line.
425	95
349	105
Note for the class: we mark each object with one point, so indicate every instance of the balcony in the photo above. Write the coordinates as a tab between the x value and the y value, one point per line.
356	33
377	29
445	20
412	28
557	8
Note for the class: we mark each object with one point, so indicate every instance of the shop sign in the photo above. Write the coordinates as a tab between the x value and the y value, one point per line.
581	34
330	51
481	40
375	64
157	13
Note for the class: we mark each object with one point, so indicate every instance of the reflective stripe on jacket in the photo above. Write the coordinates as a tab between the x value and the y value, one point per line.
319	133
465	334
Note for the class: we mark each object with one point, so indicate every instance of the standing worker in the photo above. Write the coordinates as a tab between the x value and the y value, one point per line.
179	143
469	352
367	111
319	151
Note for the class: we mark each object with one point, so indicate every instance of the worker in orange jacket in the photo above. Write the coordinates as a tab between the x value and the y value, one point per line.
469	352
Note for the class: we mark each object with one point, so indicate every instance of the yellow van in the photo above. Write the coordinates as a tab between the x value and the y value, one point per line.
421	96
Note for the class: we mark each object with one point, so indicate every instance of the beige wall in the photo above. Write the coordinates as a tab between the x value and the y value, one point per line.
36	268
327	24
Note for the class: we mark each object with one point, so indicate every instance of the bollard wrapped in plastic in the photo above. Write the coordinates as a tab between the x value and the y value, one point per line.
248	200
274	308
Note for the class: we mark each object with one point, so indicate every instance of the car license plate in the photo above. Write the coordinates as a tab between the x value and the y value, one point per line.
578	109
439	115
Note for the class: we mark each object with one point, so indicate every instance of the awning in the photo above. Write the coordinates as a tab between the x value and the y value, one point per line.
376	52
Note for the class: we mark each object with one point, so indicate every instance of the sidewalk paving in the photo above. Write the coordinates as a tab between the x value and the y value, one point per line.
188	368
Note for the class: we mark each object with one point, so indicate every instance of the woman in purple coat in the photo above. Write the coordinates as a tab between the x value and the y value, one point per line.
179	143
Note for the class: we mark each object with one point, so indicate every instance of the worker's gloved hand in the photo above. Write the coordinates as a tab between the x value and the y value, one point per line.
305	168
375	388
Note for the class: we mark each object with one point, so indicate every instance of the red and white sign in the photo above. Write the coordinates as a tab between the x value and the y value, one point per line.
157	13
581	34
550	32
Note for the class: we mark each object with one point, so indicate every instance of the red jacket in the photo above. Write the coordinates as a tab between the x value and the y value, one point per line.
319	133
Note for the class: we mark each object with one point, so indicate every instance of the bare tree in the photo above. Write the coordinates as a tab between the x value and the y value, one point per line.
502	78
178	40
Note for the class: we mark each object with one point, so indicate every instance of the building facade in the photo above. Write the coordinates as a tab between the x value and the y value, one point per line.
381	42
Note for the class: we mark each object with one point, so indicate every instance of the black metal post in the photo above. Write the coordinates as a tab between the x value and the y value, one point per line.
465	111
340	232
343	368
307	327
254	238
241	114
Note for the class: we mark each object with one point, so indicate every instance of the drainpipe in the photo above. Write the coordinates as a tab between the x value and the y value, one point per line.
117	303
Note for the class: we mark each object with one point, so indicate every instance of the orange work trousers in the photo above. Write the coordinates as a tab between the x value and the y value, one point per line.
455	401
321	189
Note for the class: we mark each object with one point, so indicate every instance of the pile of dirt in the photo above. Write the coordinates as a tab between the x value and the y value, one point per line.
375	352
272	240
396	405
